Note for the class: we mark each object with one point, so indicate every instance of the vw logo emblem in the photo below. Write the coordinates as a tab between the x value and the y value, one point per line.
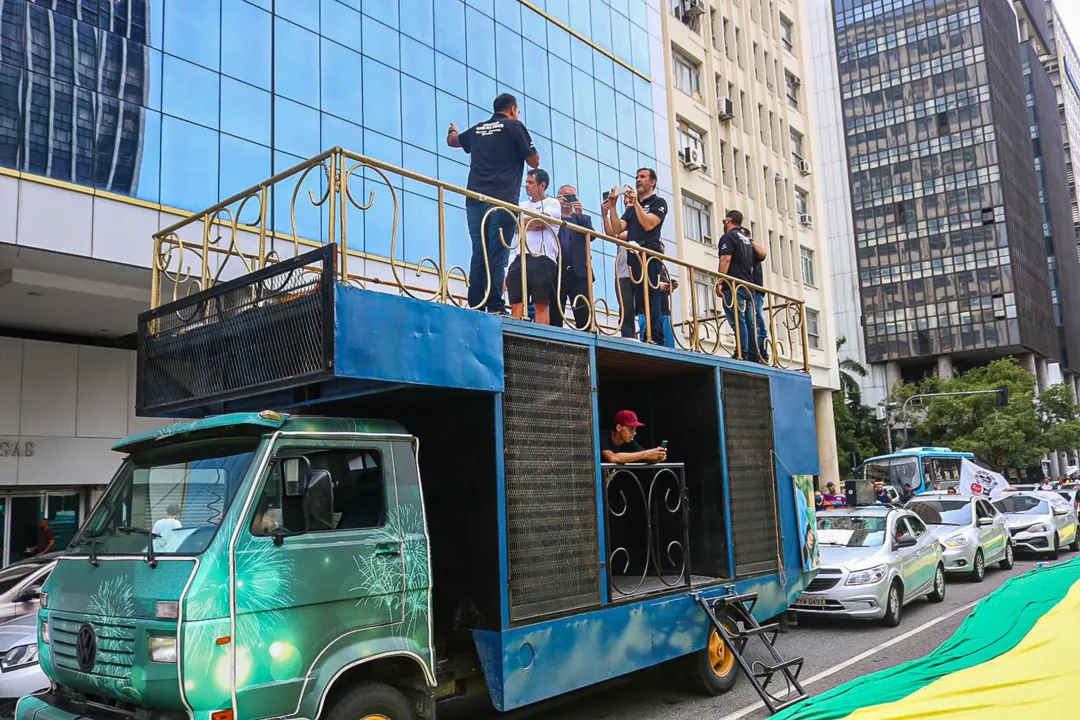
86	648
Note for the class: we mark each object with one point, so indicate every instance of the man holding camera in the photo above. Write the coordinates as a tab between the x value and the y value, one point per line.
575	263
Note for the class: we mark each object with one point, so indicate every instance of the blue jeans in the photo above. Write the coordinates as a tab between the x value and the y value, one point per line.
665	325
746	307
762	325
497	254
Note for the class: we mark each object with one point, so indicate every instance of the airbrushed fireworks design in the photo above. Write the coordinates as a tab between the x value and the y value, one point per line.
380	581
114	599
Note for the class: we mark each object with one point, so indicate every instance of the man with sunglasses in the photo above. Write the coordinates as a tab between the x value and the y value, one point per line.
738	252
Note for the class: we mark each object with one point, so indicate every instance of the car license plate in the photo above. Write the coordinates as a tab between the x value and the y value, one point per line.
809	601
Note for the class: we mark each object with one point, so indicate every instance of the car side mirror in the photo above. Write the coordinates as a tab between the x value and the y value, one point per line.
28	595
906	542
319	500
1059	512
984	521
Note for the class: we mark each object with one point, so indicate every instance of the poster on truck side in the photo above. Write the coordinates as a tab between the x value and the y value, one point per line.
807	519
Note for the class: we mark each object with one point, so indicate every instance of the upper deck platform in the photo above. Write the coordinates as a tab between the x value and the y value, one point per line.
246	316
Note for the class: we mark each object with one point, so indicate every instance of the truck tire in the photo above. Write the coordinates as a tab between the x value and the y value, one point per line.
371	701
712	670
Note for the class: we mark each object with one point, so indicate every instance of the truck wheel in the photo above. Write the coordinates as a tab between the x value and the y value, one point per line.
1007	561
371	701
713	669
894	609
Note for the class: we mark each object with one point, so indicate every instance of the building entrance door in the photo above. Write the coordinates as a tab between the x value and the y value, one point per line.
23	527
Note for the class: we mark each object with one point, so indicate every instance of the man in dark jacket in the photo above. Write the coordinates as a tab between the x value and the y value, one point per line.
575	279
737	253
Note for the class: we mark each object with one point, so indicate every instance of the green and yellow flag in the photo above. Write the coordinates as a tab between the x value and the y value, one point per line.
1014	656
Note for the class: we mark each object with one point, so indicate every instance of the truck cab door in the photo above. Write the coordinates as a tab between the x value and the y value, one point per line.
305	575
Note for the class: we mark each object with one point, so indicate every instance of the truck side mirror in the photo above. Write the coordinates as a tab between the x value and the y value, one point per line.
319	500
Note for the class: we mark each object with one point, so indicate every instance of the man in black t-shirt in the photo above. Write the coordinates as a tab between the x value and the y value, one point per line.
644	216
737	253
619	445
759	310
499	148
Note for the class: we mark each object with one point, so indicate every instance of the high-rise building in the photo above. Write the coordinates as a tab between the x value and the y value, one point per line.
740	129
953	252
1063	66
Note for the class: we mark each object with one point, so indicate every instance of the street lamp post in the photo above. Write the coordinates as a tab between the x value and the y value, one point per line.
1001	392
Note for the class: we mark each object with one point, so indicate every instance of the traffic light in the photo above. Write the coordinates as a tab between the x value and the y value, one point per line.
1002	396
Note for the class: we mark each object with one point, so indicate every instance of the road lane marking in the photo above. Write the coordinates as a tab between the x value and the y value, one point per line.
860	657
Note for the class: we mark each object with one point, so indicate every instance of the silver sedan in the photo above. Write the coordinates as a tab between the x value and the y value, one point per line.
874	561
1041	522
971	530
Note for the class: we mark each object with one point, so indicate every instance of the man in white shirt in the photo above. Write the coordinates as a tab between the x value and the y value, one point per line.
170	522
542	244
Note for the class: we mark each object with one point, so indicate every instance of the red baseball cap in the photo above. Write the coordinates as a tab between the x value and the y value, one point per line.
628	418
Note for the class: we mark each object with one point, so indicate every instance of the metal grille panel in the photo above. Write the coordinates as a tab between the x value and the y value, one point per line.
748	434
550	478
268	330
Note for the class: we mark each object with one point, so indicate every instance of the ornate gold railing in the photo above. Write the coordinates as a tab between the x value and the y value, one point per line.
316	200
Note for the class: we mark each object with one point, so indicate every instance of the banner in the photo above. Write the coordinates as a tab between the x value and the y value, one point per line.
807	519
975	480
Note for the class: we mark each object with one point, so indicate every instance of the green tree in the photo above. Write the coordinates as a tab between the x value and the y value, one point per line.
1018	435
858	433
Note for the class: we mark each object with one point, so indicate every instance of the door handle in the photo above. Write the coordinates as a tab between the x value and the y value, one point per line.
388	550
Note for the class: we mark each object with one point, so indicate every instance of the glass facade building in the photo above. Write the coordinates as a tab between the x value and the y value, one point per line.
948	233
183	103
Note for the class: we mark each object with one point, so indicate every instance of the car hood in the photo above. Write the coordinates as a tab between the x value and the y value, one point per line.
850	558
944	531
20	631
1015	520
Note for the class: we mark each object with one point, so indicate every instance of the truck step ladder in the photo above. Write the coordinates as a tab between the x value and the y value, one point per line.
739	610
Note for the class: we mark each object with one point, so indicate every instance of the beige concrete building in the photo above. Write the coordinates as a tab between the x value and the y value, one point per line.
740	111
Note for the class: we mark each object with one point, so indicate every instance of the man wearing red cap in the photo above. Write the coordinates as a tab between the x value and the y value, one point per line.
619	446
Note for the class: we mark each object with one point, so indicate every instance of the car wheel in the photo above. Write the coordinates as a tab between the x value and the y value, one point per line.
978	568
1057	547
712	670
894	608
1075	544
938	593
1007	562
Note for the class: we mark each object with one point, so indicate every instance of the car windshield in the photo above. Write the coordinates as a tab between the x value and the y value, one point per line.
852	530
942	512
893	471
180	494
1022	504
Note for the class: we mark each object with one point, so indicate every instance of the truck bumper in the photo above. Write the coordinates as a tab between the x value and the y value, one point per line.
51	705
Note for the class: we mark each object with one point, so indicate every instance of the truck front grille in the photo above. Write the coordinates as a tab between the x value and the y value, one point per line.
115	646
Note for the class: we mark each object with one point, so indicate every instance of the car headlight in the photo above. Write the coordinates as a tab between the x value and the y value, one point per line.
867	577
45	633
20	656
956	541
1038	527
162	649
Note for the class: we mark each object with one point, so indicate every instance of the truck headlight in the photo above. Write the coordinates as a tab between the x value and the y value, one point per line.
45	633
956	541
44	600
868	577
1038	527
20	656
162	649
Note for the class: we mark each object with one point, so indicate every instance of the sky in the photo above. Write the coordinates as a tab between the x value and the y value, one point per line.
1069	10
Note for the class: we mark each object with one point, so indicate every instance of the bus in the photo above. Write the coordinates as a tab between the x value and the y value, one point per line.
918	467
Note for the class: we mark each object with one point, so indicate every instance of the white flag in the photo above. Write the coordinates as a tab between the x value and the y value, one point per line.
975	480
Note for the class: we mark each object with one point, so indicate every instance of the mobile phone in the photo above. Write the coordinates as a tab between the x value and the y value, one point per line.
664	444
604	196
571	198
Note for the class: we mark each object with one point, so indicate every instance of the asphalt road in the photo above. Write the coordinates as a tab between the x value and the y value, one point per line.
835	651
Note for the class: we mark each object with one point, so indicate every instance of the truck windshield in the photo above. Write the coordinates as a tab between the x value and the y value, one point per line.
894	471
178	495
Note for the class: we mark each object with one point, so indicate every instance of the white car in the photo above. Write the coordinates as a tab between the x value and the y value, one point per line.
20	672
972	531
1041	522
20	584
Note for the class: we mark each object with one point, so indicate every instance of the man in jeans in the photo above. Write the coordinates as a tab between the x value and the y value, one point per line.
737	252
499	148
759	310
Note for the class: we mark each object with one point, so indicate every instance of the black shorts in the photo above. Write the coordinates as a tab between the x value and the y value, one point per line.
541	279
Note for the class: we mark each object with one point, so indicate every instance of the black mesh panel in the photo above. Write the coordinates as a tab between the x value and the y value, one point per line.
550	478
268	330
748	434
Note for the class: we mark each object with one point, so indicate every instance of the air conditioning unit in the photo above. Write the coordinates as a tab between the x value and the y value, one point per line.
804	166
795	81
707	240
727	109
806	219
691	10
691	158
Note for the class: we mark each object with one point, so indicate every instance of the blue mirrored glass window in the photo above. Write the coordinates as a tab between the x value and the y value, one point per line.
418	121
193	31
418	20
342	82
190	92
245	111
451	76
450	28
243	164
382	109
381	43
509	14
385	11
536	79
336	131
342	24
417	60
189	164
482	89
508	59
304	13
296	128
480	41
296	61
